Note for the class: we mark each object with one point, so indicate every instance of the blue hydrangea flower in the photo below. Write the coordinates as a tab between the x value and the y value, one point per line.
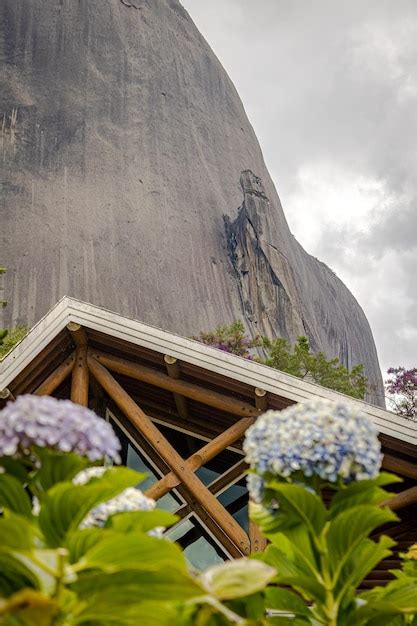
58	424
318	438
131	499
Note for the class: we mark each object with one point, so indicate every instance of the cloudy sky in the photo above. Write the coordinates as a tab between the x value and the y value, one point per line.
331	90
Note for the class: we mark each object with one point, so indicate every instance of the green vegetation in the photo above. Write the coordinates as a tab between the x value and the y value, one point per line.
56	570
10	337
299	360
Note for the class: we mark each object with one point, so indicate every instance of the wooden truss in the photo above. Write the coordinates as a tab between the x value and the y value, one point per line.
93	369
88	366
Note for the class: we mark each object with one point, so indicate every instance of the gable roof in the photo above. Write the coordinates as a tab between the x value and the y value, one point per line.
199	358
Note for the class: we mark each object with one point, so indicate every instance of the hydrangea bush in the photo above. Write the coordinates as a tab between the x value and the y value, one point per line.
318	439
76	544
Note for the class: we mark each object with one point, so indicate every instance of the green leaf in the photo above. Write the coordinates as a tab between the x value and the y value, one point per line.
136	551
15	468
350	527
142	585
79	542
142	520
43	563
362	492
104	612
298	505
285	600
16	532
284	562
58	467
362	561
236	579
65	505
13	496
14	575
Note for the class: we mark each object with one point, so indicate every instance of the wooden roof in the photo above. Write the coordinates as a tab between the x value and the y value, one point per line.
209	393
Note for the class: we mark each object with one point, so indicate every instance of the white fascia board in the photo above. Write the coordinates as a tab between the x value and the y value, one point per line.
193	352
34	342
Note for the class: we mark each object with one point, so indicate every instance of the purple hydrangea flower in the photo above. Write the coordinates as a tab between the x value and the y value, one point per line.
319	438
58	424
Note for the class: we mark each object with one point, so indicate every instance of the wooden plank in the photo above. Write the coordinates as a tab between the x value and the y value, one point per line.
182	387
57	377
42	365
205	454
177	464
174	371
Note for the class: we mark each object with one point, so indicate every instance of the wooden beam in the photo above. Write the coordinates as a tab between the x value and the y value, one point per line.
80	373
56	378
189	390
177	464
258	542
80	376
399	466
78	334
205	454
6	395
261	399
401	500
173	370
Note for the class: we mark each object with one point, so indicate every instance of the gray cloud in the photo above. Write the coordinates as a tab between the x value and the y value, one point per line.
331	89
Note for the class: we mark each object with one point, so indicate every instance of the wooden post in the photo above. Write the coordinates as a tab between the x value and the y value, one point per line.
80	373
56	378
173	370
261	399
258	542
6	395
177	464
205	454
189	390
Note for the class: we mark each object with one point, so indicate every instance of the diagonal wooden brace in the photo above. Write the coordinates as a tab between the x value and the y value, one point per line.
177	464
205	454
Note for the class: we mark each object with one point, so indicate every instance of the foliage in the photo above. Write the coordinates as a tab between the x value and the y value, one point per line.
54	572
402	390
303	363
299	361
9	337
230	338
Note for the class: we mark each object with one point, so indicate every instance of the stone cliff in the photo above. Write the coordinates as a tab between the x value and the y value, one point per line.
123	143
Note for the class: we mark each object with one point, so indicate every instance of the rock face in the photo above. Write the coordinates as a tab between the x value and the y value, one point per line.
123	145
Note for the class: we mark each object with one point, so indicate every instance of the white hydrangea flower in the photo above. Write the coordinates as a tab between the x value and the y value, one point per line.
131	499
318	438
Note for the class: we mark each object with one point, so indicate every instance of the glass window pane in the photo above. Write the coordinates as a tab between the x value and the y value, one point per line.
235	499
200	549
